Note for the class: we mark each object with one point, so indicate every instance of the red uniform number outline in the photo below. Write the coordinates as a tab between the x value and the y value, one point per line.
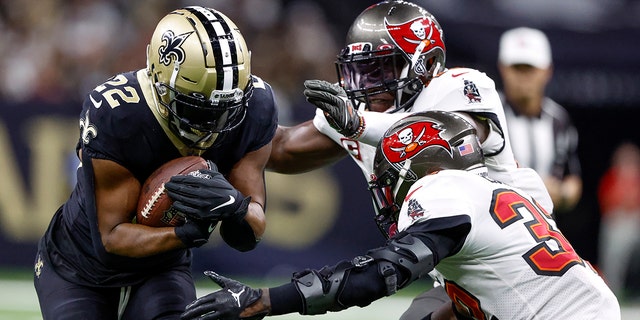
506	207
465	302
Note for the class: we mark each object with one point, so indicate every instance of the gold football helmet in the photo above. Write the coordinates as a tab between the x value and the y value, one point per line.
200	68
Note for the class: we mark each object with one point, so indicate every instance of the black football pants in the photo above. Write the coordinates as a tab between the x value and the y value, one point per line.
163	296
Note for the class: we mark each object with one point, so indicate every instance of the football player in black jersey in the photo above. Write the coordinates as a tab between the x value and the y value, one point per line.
196	96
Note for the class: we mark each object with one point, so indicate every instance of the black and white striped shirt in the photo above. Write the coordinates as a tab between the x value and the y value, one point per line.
548	143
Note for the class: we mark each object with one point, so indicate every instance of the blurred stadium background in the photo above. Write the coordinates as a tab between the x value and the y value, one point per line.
54	51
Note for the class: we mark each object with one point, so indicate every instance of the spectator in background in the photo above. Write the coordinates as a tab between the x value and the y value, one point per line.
541	132
619	198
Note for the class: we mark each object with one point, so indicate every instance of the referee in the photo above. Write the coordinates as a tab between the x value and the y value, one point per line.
541	132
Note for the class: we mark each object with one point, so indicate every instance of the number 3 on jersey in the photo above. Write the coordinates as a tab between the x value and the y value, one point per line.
553	255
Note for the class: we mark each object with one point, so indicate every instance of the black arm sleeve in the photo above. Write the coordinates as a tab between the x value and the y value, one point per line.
348	283
360	287
408	255
238	234
285	299
445	236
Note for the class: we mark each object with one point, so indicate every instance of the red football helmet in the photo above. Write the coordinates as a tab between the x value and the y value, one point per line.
393	47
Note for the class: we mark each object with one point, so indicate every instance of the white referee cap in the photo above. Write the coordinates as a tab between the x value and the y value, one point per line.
525	46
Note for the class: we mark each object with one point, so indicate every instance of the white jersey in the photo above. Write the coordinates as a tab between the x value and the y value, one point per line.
455	90
514	263
361	153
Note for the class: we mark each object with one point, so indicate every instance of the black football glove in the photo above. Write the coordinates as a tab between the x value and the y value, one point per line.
206	195
226	303
338	110
195	232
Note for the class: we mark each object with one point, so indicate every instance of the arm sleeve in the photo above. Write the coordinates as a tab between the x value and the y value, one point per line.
285	299
353	283
376	124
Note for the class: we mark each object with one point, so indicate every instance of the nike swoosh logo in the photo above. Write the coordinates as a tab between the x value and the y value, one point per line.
211	227
453	75
95	103
231	201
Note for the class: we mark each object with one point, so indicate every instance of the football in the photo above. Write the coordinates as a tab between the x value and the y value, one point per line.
154	205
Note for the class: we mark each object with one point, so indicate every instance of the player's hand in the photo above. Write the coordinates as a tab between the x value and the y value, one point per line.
195	232
338	110
226	303
206	195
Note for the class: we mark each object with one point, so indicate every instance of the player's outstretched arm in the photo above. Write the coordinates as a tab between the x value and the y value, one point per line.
357	282
302	148
340	113
234	300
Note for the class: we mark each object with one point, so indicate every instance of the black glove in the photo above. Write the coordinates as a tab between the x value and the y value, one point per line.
338	110
195	232
206	195
226	303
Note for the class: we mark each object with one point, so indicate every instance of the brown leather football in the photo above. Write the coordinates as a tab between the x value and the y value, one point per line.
154	205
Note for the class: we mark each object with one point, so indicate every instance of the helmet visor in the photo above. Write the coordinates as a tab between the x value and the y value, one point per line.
222	111
201	114
371	74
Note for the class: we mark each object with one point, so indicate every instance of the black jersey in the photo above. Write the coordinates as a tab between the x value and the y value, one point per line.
118	122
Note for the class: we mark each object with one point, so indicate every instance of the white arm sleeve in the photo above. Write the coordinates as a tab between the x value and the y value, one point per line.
376	124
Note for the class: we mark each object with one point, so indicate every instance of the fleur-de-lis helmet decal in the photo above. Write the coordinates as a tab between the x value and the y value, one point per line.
171	50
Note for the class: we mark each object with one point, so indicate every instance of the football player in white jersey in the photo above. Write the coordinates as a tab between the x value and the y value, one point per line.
400	61
394	64
498	253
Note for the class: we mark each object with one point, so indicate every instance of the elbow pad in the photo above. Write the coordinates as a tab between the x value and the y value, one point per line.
350	283
409	254
365	278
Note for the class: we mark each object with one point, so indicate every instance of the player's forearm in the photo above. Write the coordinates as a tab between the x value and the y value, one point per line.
138	241
280	300
376	124
301	149
256	219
